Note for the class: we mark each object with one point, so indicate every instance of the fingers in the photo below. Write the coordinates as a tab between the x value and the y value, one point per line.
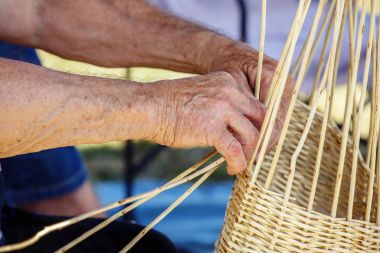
230	148
245	132
246	103
253	109
244	115
217	113
249	113
268	71
236	142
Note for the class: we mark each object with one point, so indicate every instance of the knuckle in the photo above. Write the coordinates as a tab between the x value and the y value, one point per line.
259	108
216	131
222	106
252	138
218	73
233	147
255	109
211	130
252	133
248	102
225	87
226	79
225	75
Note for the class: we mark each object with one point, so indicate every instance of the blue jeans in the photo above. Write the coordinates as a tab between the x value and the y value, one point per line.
42	175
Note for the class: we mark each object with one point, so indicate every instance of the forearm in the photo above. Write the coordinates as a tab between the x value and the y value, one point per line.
41	109
114	34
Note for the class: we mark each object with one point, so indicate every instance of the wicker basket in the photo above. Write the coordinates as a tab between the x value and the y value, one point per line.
258	220
315	194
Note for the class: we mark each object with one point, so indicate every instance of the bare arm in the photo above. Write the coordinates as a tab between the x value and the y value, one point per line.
134	33
109	33
42	109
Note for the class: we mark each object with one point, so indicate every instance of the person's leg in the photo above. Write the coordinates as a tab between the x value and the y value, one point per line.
19	225
79	201
49	182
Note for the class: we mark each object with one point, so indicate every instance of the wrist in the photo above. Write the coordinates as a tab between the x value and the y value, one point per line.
126	110
214	46
221	53
158	110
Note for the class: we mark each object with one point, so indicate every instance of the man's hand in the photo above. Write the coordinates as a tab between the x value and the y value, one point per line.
208	110
70	110
133	33
241	61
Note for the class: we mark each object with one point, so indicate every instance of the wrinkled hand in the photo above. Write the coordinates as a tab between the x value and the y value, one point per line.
208	110
241	61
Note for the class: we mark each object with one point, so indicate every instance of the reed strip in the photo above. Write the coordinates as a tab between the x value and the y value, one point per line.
322	139
371	129
143	232
322	58
261	49
371	40
130	208
293	164
356	140
182	178
298	84
337	60
316	42
282	78
269	100
347	115
377	85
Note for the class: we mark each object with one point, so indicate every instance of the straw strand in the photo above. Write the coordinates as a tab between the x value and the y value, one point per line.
261	49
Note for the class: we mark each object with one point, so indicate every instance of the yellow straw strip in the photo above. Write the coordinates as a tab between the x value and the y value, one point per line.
300	78
167	211
261	50
347	114
182	178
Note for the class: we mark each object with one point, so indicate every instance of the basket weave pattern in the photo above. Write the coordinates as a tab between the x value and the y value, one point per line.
259	220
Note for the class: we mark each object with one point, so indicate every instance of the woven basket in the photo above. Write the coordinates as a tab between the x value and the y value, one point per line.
258	220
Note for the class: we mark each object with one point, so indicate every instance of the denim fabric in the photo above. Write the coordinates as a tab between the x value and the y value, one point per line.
15	52
42	175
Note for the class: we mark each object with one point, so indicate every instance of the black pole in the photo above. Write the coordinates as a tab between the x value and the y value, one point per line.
129	167
243	20
129	170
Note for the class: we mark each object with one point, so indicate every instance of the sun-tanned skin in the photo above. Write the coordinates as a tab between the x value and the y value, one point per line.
45	109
